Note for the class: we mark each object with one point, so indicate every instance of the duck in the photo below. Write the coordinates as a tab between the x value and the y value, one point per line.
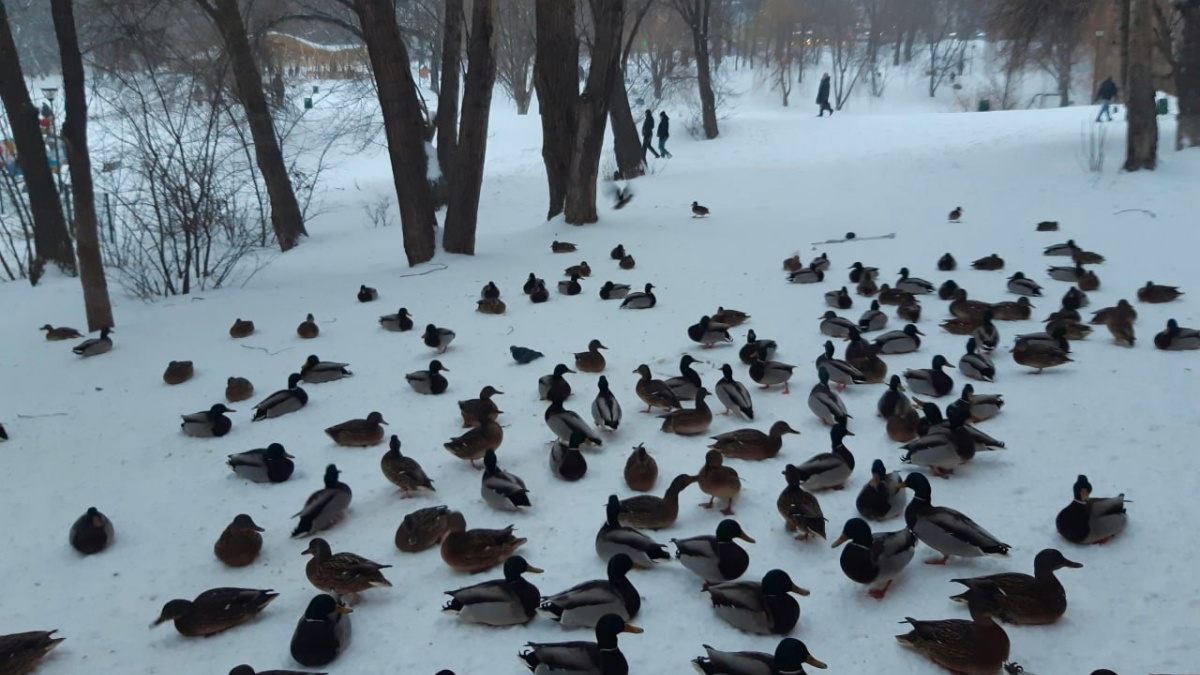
614	538
611	291
947	289
555	385
1039	355
718	481
64	333
215	610
602	657
476	550
976	647
754	345
581	270
910	311
1019	284
1008	310
323	633
282	402
501	489
531	283
566	460
789	657
840	372
752	444
476	442
1072	330
358	433
820	263
942	449
655	513
643	300
792	263
570	286
769	373
582	605
399	322
945	530
883	497
95	346
1176	338
858	272
491	306
730	317
807	275
241	329
733	394
763	608
618	252
437	338
1082	257
688	382
91	533
1022	599
864	356
316	371
207	423
591	361
1070	273
404	472
1072	300
689	422
249	670
308	329
904	424
708	333
606	410
511	601
490	291
699	211
1122	310
238	389
539	294
975	365
872	320
931	381
824	402
828	470
564	423
1091	520
1088	281
1156	293
874	559
367	294
839	299
989	263
981	406
913	285
240	542
947	263
964	308
956	214
892	400
324	507
1045	339
835	326
641	470
429	381
178	372
475	410
1064	249
271	464
1047	226
715	558
901	341
23	652
800	509
562	247
342	574
423	529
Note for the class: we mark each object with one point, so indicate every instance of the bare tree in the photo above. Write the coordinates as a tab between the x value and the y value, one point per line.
1142	136
515	51
660	57
696	14
557	83
447	112
1177	34
628	149
1046	33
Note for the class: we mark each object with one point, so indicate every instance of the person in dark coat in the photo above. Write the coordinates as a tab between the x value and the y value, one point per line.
648	135
1107	93
823	96
664	132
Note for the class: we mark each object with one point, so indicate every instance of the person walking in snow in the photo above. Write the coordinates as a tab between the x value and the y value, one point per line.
1107	93
648	135
664	132
823	96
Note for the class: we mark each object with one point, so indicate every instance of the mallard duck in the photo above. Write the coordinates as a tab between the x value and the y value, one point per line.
945	530
1072	330
429	381
947	263
733	394
614	538
64	333
641	471
947	289
22	652
989	263
715	558
655	513
901	341
562	247
981	406
215	610
655	393
531	283
501	489
858	272
964	308
986	335
207	423
1122	331
178	372
688	382
1063	314
864	356
581	270
308	329
836	326
872	320
689	422
1008	310
883	497
249	670
511	601
477	550
1091	520
698	211
840	372
1175	338
241	329
591	361
611	291
566	460
943	448
324	507
606	410
367	294
874	559
1021	285
1047	226
91	533
476	442
1022	599
824	402
618	252
95	346
956	214
909	311
792	264
555	385
930	381
730	317
582	605
754	345
893	399
752	444
904	424
238	389
763	608
271	464
790	657
768	373
323	633
564	423
358	433
718	481
423	529
1088	281
913	285
341	573
316	371
404	472
1070	273
643	300
800	509
975	365
282	402
1122	310
976	647
570	286
602	657
839	299
820	263
240	542
1045	339
437	338
490	291
1072	300
491	306
399	322
1040	355
708	332
831	469
806	275
1064	249
1082	257
475	410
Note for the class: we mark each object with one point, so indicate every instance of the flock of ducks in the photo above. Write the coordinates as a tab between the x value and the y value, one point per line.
935	441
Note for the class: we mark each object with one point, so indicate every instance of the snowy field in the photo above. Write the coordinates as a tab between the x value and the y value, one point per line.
105	432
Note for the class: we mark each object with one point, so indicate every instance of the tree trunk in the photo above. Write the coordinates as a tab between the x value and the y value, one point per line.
466	179
285	210
1187	79
1123	7
403	124
909	39
447	113
522	97
628	147
557	85
1142	147
896	48
697	16
52	242
1064	78
608	18
87	241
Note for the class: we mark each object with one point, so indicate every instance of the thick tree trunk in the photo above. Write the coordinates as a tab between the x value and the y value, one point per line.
447	113
556	80
285	210
700	10
522	97
1187	79
608	18
404	125
909	39
1142	146
1064	79
466	179
51	240
626	143
87	241
1123	30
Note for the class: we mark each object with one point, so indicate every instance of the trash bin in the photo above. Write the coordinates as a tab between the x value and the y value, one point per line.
984	105
316	89
308	103
1160	107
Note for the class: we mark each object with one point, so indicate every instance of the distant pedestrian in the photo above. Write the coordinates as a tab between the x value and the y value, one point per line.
664	132
823	96
648	135
1107	93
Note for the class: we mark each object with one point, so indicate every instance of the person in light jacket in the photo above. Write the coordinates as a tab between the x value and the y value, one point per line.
823	96
664	132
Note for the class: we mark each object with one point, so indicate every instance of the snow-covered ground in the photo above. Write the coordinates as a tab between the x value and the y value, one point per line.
104	431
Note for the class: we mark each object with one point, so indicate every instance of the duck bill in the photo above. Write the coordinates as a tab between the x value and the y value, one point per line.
746	538
284	454
839	541
799	591
343	609
498	393
641	566
1072	564
630	628
533	570
812	661
159	621
950	365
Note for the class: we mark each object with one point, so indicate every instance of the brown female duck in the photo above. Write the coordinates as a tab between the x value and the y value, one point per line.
655	393
474	444
655	513
404	472
719	481
692	422
240	542
478	550
215	610
238	389
1022	599
241	329
475	410
358	433
800	509
591	361
308	329
341	573
752	443
178	372
641	471
423	529
976	647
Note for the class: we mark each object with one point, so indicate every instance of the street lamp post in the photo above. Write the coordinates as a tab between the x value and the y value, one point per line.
51	93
